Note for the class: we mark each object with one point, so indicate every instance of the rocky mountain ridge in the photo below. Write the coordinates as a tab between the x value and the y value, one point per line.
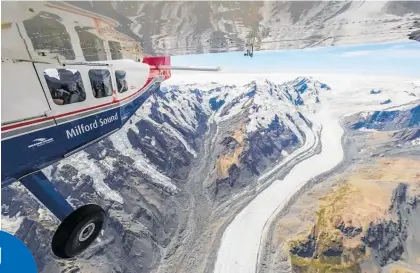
142	174
390	119
368	221
177	28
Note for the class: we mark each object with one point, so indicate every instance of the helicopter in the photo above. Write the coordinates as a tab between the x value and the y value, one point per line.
73	73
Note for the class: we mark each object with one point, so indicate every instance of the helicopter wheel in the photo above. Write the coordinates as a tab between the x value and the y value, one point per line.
78	231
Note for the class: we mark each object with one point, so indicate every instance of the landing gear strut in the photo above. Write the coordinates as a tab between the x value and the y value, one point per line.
78	229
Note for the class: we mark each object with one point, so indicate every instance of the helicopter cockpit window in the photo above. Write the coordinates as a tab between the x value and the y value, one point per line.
100	79
120	76
66	85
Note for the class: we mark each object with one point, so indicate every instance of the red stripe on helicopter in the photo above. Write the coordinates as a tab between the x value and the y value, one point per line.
154	72
14	126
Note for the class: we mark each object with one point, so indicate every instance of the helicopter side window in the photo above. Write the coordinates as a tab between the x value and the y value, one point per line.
120	76
100	80
65	85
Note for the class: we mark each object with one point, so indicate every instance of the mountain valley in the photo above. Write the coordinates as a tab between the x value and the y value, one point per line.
199	151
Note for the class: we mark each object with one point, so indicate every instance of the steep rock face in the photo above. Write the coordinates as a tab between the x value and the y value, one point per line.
138	174
375	91
270	124
407	134
197	27
269	143
304	89
245	157
135	174
335	243
369	221
387	238
393	240
390	120
388	101
403	124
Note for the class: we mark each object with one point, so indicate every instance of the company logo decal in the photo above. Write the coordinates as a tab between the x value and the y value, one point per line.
40	142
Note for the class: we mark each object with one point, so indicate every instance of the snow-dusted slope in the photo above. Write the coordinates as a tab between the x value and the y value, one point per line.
266	122
176	28
269	99
141	174
390	119
237	254
136	175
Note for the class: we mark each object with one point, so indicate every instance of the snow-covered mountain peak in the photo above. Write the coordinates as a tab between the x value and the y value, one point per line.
304	90
262	100
309	83
265	102
299	91
251	84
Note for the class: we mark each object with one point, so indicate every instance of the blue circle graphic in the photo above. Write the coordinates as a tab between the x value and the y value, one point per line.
15	257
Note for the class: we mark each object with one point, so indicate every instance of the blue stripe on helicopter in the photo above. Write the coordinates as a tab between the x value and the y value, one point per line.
36	150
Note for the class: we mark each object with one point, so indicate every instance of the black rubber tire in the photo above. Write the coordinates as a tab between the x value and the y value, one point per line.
65	243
